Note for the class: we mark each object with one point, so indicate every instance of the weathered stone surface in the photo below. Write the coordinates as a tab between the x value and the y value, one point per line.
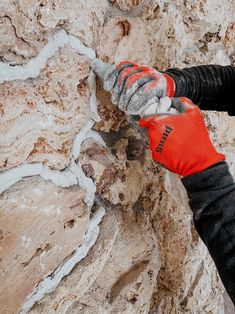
111	117
117	175
119	274
29	27
187	280
40	225
126	5
40	117
125	38
13	49
147	257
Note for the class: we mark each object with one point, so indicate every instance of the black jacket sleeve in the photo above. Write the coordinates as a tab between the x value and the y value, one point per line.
212	199
209	86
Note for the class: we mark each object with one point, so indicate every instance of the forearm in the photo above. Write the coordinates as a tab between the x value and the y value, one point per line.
209	86
212	200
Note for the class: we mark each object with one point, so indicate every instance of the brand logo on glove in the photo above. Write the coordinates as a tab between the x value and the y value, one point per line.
165	135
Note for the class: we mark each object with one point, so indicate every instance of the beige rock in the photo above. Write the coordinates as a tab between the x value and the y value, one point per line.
40	225
111	117
13	49
23	19
147	256
187	33
30	26
80	18
117	180
118	275
125	39
126	5
40	117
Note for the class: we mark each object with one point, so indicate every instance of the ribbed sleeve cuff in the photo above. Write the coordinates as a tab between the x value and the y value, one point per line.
210	179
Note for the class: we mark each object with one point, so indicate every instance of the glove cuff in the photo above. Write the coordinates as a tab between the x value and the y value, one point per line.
170	85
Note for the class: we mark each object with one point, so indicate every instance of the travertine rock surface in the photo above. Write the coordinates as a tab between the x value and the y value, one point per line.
48	112
29	244
88	223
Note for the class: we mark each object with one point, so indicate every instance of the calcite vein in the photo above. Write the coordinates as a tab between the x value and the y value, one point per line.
46	106
72	174
51	282
10	177
33	67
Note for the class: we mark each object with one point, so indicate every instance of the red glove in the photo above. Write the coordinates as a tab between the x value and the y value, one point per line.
181	142
132	86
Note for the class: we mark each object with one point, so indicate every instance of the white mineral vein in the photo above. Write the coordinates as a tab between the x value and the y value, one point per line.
86	183
49	284
60	178
73	174
86	279
33	67
80	137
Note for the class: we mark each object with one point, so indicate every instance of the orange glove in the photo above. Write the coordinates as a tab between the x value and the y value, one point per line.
181	142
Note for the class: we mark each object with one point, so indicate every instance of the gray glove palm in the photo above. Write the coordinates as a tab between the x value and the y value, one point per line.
137	90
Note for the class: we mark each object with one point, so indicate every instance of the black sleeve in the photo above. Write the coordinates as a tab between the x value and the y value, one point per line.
212	199
209	86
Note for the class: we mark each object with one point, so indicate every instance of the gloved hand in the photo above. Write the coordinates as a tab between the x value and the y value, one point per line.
181	142
133	87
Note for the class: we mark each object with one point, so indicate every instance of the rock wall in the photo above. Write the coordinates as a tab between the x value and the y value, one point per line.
88	222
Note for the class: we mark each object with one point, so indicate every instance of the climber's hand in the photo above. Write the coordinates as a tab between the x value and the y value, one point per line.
133	86
181	142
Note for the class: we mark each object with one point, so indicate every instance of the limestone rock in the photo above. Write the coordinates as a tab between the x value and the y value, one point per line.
118	275
12	48
125	39
118	180
40	117
143	255
126	5
41	225
29	27
112	119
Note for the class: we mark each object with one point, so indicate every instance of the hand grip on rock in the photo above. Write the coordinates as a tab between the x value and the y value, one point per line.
152	107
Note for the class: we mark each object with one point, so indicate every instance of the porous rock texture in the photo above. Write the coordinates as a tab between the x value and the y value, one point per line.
88	222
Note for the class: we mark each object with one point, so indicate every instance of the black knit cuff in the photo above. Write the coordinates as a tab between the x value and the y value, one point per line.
210	179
